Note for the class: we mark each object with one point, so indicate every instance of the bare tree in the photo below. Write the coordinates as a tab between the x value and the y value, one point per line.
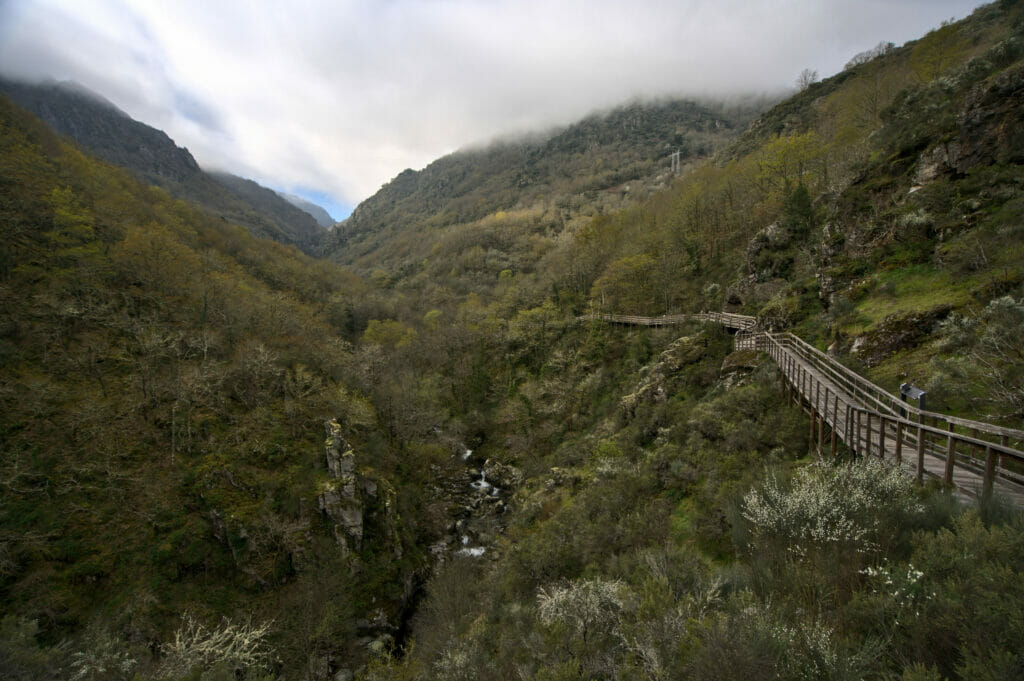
806	78
238	648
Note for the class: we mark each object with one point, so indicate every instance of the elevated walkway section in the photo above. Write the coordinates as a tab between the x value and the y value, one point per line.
972	457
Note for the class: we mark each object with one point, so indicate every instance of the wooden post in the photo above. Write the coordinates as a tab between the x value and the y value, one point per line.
948	475
921	449
789	375
810	440
921	455
851	421
860	450
785	376
867	434
848	427
881	436
990	473
821	423
1002	460
899	442
835	423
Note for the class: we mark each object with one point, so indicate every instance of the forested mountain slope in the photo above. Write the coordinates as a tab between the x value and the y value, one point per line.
561	178
539	498
668	524
107	132
165	378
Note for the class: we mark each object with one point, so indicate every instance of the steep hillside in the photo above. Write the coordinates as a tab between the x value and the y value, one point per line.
107	132
595	166
666	523
165	380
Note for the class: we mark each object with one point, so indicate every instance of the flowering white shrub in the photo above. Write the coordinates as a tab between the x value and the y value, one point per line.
104	657
903	585
828	505
811	654
235	646
583	605
456	664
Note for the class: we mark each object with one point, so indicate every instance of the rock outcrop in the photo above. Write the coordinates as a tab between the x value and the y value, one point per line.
348	496
895	333
992	122
682	352
340	498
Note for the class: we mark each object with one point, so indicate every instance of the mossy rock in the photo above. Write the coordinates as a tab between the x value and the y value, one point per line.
742	359
897	332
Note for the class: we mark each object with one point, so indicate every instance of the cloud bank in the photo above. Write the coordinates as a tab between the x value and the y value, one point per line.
334	98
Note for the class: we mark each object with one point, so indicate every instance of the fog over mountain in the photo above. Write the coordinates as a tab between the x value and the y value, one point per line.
331	100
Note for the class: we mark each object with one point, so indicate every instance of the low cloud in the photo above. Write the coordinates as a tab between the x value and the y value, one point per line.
338	97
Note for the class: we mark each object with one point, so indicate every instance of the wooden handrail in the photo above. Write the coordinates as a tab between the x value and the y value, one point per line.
884	399
870	412
728	319
867	417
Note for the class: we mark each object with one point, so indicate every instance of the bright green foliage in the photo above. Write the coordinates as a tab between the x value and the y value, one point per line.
389	333
627	284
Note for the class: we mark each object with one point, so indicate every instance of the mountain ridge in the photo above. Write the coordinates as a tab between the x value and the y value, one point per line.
152	156
605	160
318	212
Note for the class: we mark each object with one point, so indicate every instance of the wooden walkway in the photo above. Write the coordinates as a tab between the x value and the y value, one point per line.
972	457
727	319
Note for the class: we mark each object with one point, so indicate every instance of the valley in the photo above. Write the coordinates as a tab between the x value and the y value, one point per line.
544	409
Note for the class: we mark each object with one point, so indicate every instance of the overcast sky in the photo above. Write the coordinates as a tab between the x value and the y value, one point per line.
330	99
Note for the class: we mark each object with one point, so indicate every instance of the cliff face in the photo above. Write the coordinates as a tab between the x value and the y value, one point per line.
992	122
105	131
149	154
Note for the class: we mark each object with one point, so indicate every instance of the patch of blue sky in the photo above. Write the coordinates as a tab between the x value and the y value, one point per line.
339	210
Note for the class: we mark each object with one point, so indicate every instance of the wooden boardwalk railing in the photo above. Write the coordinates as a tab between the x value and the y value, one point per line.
727	319
973	457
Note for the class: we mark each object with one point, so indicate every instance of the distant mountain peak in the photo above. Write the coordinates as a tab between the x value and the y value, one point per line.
102	129
322	217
